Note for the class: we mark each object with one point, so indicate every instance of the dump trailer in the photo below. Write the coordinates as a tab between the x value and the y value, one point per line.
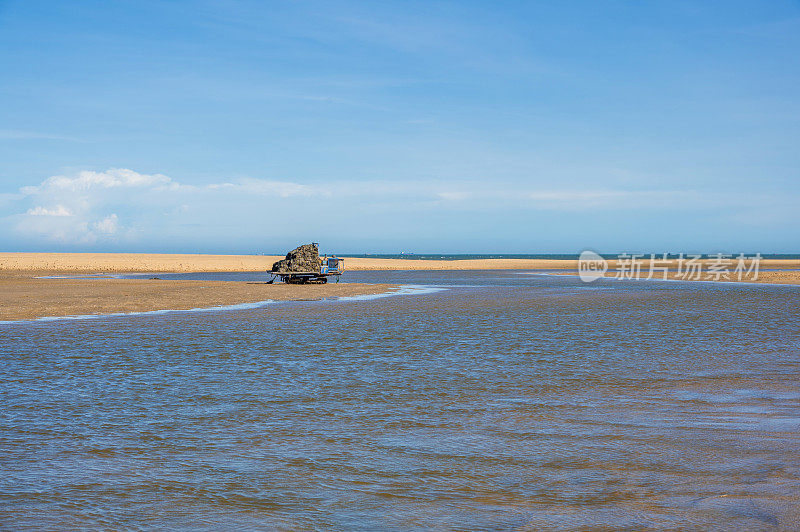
304	265
330	267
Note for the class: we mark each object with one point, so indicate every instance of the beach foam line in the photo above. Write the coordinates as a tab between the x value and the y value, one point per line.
544	273
237	306
133	275
404	290
87	276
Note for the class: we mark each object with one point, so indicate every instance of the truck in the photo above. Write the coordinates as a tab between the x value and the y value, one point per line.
303	265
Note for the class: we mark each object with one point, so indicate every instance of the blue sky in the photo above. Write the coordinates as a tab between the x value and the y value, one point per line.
518	127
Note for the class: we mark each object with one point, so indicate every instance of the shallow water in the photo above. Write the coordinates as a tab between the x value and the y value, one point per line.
506	401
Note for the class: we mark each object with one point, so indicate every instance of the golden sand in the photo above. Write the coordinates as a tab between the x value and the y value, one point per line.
156	262
133	262
151	262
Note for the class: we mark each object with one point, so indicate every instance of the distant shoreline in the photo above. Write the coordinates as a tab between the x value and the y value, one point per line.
533	256
170	263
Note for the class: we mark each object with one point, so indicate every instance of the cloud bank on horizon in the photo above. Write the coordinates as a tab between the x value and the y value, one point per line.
123	209
433	126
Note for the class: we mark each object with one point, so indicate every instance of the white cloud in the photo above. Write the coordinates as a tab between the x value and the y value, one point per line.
68	230
453	195
87	180
264	187
579	195
586	200
85	207
58	210
107	226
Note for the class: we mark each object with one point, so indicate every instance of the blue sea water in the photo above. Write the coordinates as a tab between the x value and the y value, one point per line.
488	400
546	256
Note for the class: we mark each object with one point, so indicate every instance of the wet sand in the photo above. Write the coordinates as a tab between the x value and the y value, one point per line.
23	296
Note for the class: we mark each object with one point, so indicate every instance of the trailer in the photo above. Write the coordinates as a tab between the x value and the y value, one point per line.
328	267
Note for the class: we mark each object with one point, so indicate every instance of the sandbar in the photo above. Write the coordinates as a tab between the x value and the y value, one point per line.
23	296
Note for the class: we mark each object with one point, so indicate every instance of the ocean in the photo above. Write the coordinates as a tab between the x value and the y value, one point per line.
549	256
476	400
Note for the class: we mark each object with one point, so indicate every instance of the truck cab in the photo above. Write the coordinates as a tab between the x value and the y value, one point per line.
331	265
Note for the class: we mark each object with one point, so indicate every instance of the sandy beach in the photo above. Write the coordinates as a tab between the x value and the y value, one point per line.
23	295
152	262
